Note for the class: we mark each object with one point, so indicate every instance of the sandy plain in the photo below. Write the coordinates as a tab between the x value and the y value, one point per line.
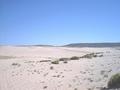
23	68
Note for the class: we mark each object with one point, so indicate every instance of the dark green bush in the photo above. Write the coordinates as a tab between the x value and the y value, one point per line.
114	81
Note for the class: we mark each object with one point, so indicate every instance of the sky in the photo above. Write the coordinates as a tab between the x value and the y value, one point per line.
59	22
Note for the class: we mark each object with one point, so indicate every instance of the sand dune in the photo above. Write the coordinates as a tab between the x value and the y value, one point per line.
21	68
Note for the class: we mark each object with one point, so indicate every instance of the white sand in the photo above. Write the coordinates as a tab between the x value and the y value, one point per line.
31	74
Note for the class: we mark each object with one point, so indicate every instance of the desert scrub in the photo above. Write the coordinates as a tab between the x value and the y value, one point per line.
74	58
114	81
16	64
55	62
90	56
63	59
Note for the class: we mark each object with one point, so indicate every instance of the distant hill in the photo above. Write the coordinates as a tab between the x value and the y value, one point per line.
44	45
93	45
34	45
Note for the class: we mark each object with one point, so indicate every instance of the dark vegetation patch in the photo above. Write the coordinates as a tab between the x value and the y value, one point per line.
88	56
16	64
114	81
65	60
74	58
92	55
55	62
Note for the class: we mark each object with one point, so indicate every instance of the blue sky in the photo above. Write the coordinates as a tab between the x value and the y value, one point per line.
59	22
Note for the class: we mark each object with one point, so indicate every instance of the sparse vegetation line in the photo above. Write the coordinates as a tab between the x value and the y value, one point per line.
88	56
65	60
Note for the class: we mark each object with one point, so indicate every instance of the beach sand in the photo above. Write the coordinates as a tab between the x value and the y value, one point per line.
23	68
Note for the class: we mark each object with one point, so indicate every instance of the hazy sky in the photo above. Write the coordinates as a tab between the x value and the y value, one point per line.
59	22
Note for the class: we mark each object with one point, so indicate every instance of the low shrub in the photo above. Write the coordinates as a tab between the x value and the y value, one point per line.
74	58
114	81
63	59
90	56
55	62
16	64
